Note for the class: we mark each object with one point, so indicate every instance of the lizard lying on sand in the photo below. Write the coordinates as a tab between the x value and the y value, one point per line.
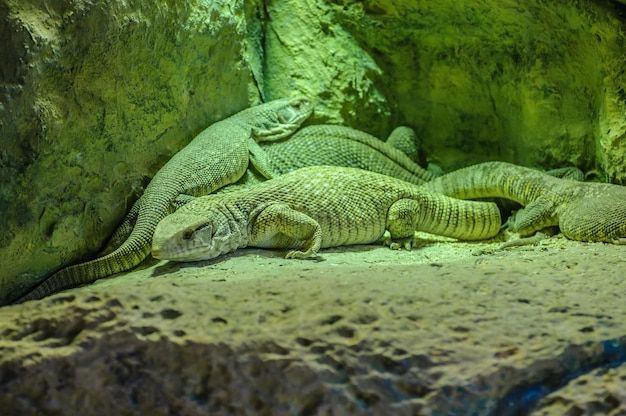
218	156
314	207
584	211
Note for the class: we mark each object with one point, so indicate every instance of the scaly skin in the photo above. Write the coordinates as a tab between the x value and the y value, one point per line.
345	146
314	207
583	211
218	156
326	144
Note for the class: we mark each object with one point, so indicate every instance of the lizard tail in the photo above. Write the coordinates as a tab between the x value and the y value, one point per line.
122	259
492	179
132	252
464	220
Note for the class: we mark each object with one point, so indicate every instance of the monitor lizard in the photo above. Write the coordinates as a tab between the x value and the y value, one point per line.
335	145
331	144
325	144
584	211
216	157
315	207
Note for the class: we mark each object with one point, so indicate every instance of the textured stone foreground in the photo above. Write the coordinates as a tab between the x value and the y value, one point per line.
362	330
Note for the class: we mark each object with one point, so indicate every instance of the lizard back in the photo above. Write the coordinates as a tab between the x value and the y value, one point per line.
350	206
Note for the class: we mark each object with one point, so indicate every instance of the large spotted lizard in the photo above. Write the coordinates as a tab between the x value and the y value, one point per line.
584	211
315	207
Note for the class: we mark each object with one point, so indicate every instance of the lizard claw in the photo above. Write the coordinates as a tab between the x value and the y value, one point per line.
400	243
297	254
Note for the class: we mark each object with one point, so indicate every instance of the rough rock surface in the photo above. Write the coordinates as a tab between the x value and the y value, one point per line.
536	83
365	330
96	96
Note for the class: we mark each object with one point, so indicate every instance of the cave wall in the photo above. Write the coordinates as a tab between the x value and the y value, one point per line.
536	83
96	96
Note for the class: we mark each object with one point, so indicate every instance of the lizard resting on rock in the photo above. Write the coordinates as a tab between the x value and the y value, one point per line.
314	207
218	156
584	211
325	144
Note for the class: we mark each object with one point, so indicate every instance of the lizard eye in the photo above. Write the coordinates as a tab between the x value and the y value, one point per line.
187	234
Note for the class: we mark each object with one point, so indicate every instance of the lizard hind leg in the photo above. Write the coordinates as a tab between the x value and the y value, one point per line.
280	226
538	214
402	221
404	139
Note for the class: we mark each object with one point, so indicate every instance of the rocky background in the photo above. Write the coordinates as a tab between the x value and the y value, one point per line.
97	95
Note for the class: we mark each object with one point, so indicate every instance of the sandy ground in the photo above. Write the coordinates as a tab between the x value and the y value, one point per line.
440	329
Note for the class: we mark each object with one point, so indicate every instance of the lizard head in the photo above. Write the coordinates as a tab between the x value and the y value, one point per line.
184	236
295	110
281	117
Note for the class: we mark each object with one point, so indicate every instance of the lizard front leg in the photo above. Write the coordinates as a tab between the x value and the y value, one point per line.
260	160
278	225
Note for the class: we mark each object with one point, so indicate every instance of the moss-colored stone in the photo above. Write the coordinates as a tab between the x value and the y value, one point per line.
97	96
536	83
308	50
434	331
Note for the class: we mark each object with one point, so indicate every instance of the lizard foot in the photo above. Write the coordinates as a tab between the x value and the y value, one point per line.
297	254
269	133
524	241
400	243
